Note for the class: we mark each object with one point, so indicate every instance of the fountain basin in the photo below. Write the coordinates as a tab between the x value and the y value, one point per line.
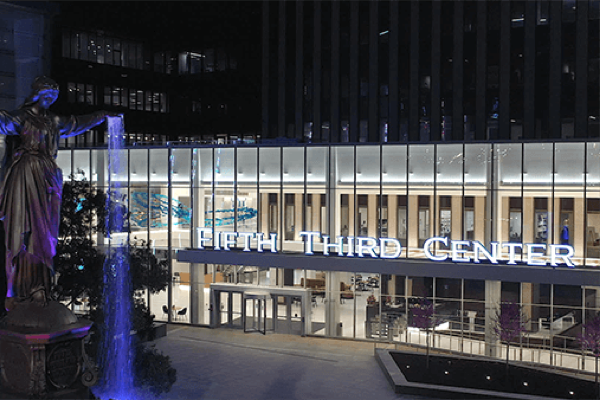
41	353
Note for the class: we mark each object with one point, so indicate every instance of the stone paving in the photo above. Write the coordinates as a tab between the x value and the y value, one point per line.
230	364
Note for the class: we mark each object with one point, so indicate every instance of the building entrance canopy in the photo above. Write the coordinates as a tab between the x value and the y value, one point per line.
410	267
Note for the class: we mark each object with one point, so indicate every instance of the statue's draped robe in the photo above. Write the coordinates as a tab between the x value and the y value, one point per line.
30	195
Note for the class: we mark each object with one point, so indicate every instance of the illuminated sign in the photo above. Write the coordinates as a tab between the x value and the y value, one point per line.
458	251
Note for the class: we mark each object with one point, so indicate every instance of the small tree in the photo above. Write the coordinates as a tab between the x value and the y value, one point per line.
79	271
509	324
424	318
590	341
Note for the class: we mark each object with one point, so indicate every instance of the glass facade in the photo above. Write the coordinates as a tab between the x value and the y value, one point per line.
536	194
430	71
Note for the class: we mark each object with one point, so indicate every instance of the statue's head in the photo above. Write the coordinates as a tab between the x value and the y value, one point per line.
44	92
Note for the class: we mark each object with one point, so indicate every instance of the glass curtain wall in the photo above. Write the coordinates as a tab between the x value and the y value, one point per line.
539	193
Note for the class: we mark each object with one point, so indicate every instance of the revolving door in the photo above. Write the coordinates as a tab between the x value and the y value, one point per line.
254	317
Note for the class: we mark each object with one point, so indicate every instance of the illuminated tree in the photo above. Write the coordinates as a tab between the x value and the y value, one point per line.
590	341
424	318
509	324
79	273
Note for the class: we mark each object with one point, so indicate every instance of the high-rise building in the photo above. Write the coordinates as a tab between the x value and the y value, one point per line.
179	73
25	29
420	71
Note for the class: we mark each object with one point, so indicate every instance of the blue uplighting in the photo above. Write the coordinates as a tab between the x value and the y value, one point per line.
116	352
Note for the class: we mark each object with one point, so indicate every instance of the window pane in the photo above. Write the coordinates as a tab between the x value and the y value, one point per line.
421	164
394	165
269	171
181	166
537	168
367	165
316	165
449	164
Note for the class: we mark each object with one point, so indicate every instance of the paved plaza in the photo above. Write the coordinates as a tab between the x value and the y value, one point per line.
230	364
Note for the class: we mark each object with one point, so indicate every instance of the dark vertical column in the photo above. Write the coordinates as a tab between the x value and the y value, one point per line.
413	107
393	109
265	69
354	83
504	78
581	70
480	89
317	132
458	126
334	119
373	135
436	56
299	70
282	65
554	91
529	71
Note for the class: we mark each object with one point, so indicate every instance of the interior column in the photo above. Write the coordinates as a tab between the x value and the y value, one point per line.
198	300
372	216
264	213
316	212
392	220
556	221
332	304
528	221
578	226
197	271
298	216
530	295
479	219
503	215
413	222
457	217
351	215
492	305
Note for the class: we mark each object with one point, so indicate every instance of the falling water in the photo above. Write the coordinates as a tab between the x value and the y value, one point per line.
116	353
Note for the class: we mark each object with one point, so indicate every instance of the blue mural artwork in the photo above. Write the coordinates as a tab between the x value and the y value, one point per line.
158	208
244	214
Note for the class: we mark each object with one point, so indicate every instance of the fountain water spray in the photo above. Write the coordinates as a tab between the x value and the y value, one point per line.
116	350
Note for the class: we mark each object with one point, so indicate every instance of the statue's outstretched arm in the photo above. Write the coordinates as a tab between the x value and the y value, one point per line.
72	126
9	123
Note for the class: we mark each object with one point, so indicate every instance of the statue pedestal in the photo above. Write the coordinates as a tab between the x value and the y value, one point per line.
41	352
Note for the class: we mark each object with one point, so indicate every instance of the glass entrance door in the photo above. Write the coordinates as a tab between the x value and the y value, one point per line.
287	315
228	306
255	317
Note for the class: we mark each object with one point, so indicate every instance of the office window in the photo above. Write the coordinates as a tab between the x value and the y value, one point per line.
81	93
103	49
149	100
71	92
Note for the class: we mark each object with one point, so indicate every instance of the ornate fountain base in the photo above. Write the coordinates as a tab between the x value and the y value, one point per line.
42	354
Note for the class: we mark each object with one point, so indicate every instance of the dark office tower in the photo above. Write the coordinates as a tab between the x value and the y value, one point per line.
421	71
178	79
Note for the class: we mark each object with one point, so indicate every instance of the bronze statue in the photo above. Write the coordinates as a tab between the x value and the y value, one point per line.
30	196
